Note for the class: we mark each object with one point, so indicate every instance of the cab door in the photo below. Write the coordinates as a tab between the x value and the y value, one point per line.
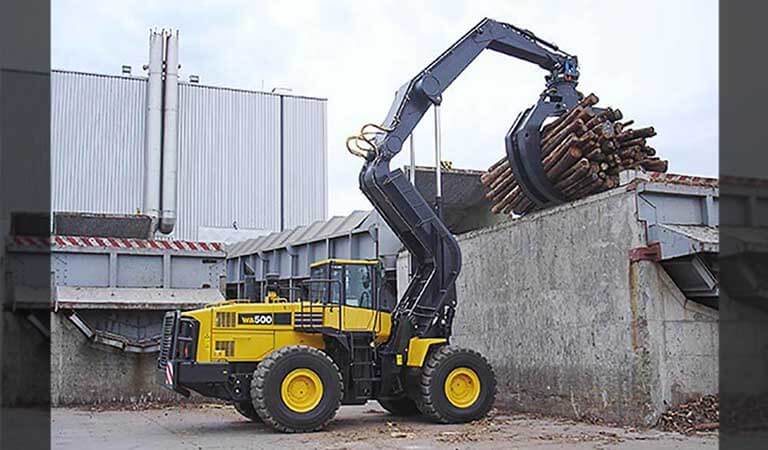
360	313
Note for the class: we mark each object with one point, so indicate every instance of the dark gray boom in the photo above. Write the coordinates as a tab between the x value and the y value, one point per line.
427	307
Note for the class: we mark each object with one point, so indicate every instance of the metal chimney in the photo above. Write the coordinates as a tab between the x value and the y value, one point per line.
170	134
153	128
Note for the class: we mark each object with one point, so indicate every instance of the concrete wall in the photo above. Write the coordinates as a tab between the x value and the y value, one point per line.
571	327
87	373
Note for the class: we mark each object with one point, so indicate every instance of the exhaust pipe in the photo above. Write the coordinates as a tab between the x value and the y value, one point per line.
153	128
170	134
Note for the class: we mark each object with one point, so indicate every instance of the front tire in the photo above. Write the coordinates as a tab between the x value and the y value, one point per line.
457	385
297	389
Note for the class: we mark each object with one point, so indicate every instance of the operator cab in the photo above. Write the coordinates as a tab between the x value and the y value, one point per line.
347	282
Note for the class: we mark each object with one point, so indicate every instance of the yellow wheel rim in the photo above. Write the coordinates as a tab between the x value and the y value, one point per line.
301	390
462	387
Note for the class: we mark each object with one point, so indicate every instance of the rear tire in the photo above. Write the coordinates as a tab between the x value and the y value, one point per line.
247	410
401	406
457	385
297	389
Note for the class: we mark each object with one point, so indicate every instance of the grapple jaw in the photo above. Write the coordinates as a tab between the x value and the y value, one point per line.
523	141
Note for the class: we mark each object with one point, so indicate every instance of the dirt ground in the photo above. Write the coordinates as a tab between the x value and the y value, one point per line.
355	427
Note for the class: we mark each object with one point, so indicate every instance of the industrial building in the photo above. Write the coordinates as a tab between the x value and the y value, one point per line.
238	152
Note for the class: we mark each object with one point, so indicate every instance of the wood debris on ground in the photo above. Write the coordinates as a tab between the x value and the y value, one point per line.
701	414
396	430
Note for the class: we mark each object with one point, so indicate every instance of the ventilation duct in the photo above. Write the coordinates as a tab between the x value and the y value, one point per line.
161	143
153	128
170	134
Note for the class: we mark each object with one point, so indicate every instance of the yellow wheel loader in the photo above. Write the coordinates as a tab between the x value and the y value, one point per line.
291	364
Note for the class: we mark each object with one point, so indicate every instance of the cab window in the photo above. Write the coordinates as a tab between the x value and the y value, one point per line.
358	286
318	292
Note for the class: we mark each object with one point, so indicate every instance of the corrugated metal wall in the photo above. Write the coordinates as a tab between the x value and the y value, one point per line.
229	155
306	150
229	160
97	142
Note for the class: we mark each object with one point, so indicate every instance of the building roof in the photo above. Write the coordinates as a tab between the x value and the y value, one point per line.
316	231
206	86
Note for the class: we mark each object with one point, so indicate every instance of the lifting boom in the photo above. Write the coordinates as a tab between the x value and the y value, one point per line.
427	307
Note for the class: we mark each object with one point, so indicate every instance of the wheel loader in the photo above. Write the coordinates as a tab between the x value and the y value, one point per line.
291	364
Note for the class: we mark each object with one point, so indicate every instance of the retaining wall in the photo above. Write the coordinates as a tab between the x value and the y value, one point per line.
573	328
84	373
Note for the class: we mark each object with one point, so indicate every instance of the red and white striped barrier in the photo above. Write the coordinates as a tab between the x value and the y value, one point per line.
108	242
169	374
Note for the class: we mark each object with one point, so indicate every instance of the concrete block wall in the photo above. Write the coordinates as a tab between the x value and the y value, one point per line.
83	373
573	328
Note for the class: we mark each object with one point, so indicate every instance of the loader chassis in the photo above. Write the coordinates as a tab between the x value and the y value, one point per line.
215	350
291	364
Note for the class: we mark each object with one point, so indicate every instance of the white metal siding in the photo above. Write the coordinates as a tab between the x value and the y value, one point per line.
305	161
97	142
229	161
229	154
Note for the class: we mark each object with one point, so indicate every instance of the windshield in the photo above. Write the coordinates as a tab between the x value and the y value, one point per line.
318	291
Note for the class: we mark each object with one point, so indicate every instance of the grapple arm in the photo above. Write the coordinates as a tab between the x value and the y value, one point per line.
428	304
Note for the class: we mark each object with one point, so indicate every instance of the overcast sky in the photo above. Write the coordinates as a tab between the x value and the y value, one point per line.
655	60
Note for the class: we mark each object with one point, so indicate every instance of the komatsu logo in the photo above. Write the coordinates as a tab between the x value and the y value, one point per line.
254	319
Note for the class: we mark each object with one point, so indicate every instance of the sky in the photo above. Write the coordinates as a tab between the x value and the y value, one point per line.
657	61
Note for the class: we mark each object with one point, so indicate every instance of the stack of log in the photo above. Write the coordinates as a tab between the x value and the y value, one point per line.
582	152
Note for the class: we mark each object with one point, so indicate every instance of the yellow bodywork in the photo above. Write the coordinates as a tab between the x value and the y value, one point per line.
240	331
418	348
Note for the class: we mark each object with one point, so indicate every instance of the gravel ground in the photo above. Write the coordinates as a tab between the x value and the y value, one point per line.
355	427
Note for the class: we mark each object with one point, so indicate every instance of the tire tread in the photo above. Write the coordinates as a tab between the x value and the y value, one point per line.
425	401
258	393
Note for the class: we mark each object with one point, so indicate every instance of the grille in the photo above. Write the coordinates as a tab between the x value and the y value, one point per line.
166	344
225	320
308	319
227	346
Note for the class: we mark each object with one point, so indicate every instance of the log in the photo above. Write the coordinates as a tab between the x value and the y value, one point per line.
655	166
582	153
567	160
557	153
583	162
